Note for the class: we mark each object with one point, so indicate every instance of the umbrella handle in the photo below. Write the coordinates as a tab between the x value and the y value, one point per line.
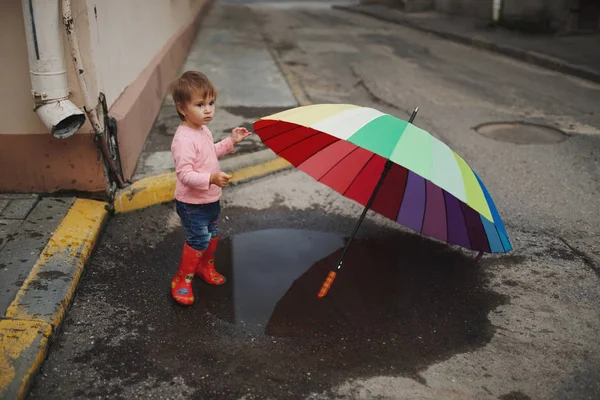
327	284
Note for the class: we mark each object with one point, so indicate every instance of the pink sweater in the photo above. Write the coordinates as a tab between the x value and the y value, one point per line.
196	157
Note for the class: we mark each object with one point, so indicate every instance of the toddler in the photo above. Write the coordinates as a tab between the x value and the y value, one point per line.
199	181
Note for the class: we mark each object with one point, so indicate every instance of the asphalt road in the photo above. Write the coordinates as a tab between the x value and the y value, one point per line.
407	317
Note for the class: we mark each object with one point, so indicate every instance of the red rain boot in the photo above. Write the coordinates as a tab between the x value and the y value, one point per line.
206	269
181	285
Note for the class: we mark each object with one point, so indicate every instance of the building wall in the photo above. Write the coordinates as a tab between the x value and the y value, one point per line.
128	34
122	42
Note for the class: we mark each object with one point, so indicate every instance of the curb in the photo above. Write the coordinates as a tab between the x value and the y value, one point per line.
24	346
40	306
530	57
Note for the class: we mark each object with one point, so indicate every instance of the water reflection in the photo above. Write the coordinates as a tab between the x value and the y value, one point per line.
405	285
260	267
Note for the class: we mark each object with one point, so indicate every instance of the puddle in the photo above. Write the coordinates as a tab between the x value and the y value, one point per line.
388	290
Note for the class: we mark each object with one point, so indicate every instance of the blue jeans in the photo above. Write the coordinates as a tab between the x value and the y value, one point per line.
200	222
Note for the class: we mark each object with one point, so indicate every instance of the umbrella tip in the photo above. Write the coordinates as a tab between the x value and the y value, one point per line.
413	115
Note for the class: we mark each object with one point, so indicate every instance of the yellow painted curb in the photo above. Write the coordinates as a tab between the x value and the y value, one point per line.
160	188
146	192
255	171
43	297
23	348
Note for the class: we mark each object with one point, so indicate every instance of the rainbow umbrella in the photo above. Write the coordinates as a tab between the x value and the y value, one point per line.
392	167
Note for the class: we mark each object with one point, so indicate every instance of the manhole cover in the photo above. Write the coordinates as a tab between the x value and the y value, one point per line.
521	133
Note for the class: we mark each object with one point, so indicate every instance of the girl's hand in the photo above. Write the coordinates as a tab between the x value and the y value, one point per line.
239	134
220	179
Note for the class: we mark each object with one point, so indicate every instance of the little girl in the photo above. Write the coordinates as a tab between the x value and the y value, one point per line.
199	181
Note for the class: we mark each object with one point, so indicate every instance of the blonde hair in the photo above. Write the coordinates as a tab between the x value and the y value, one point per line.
187	84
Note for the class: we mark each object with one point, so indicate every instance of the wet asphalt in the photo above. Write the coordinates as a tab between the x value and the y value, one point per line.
264	334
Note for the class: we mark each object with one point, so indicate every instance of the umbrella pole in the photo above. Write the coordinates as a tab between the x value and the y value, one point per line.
333	273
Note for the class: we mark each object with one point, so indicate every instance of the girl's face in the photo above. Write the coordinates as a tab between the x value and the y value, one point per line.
199	111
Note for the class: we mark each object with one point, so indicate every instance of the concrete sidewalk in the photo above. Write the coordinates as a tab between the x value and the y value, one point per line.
573	55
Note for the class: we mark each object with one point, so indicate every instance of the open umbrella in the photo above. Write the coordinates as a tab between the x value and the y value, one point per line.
390	166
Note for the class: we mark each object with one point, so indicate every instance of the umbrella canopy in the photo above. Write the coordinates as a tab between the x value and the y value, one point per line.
429	188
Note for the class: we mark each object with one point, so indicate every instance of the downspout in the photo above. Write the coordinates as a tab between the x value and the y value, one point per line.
496	9
47	68
90	105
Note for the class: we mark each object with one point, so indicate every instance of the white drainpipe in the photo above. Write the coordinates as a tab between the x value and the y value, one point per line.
48	68
496	7
89	104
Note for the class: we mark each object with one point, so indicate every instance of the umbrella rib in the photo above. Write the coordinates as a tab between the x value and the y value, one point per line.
311	136
482	227
499	237
446	213
359	172
337	163
466	224
403	192
486	234
296	126
425	205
